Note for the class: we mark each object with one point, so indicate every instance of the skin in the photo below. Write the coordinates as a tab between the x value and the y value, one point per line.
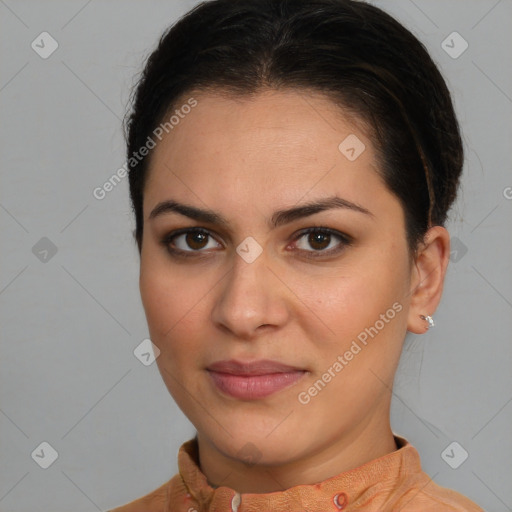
244	159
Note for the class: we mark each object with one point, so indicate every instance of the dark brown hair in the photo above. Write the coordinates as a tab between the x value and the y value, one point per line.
353	52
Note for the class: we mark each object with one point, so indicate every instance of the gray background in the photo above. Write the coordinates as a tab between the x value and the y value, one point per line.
70	321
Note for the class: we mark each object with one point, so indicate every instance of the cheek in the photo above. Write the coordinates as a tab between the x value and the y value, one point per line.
157	299
172	315
360	315
174	303
353	298
164	297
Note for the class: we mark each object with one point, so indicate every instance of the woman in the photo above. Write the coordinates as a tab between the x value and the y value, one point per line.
292	164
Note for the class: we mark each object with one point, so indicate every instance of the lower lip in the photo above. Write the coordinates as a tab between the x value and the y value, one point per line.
252	387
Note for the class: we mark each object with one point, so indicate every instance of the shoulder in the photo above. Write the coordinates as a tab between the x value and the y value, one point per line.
414	490
427	496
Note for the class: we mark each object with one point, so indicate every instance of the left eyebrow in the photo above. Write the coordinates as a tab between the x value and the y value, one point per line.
279	217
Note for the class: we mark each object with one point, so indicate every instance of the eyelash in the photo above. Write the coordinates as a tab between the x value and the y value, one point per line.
345	241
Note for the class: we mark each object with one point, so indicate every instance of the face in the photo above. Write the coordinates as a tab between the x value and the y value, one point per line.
323	290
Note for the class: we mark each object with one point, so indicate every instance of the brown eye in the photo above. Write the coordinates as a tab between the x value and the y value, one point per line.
317	242
189	241
196	240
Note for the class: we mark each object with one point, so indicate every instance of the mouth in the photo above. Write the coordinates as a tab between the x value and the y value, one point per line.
253	380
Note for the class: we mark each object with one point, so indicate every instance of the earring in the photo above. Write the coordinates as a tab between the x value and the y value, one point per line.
429	319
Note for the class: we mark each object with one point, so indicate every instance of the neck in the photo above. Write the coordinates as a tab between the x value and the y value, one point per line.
353	449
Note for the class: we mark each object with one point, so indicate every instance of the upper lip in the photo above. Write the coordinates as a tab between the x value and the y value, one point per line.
259	367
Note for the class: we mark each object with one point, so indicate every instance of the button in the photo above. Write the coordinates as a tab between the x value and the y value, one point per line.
340	500
235	502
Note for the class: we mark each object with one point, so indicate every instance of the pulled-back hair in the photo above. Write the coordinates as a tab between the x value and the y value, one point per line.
352	52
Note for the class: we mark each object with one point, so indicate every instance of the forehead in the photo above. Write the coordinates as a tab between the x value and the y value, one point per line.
275	146
277	119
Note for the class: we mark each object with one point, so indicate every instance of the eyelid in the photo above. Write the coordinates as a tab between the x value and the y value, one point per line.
323	229
345	240
168	238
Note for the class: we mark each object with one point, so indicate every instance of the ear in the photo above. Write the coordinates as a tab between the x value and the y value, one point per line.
427	277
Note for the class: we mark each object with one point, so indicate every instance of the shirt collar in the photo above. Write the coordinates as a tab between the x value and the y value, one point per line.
348	490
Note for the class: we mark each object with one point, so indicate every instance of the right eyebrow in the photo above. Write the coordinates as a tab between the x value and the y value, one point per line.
279	217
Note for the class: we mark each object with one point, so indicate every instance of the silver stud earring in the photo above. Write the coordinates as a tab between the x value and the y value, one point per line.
428	319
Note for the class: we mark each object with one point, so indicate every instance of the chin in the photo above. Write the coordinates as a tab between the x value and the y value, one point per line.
262	446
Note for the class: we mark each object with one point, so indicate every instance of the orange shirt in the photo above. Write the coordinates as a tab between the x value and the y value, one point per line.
392	483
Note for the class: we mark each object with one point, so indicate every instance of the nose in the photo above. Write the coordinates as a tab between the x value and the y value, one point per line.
251	298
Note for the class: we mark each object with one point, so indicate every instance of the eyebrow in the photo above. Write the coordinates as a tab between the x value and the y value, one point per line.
279	217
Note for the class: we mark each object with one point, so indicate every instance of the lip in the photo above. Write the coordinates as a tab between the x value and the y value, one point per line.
259	367
253	380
